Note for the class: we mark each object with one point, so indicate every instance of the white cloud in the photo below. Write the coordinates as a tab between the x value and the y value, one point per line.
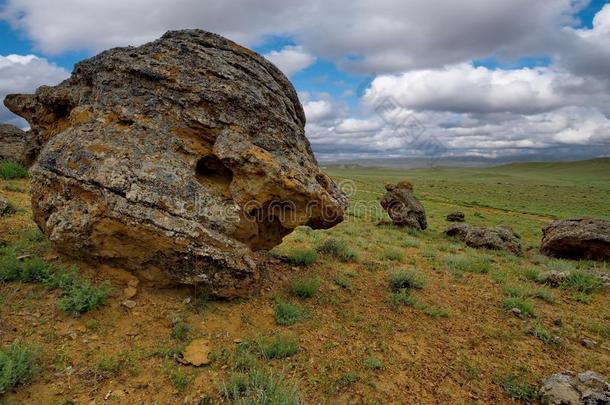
23	74
291	59
318	110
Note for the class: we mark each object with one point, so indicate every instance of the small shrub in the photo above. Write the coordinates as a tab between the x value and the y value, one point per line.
244	359
305	287
19	363
435	312
260	386
393	255
410	242
543	334
399	298
181	331
108	366
278	348
518	389
463	264
429	252
530	273
177	377
373	363
520	303
82	297
287	314
542	293
406	279
342	282
347	379
582	282
12	170
302	257
338	249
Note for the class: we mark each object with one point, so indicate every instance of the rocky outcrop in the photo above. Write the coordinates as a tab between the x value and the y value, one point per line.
16	145
402	206
577	239
177	160
568	388
497	238
456	216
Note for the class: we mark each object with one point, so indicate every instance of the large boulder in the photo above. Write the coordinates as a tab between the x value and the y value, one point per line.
568	388
16	145
402	206
577	239
177	160
493	238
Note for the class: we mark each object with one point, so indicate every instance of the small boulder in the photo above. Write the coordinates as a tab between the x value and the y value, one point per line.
5	207
497	238
577	239
553	278
16	145
402	206
456	216
567	388
197	353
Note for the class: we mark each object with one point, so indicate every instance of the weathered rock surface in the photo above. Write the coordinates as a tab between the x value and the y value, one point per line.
567	388
456	216
197	353
177	160
497	238
16	145
402	206
577	239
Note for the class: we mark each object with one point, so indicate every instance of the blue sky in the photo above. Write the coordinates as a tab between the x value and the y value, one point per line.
484	78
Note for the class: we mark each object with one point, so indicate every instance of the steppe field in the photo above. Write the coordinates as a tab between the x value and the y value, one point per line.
365	312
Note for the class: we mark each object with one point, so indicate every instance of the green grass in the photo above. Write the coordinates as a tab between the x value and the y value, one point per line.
12	170
278	348
347	379
176	375
305	287
181	331
302	257
260	386
338	248
522	304
373	363
465	264
78	295
582	282
544	334
518	389
393	254
287	314
108	366
343	282
402	279
19	364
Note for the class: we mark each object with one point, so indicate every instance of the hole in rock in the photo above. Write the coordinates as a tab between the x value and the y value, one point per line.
214	175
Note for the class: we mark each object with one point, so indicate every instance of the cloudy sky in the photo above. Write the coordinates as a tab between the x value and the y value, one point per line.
377	78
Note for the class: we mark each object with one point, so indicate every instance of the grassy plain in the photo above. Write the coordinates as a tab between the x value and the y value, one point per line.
361	313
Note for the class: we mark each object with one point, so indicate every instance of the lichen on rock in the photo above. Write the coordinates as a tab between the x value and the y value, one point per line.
178	159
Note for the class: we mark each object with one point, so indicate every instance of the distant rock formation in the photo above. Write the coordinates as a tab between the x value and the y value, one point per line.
497	238
16	145
177	160
456	216
402	206
577	239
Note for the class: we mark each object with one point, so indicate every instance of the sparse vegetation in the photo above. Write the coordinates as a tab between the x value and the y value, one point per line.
406	279
302	257
343	282
278	348
520	303
260	386
19	363
287	314
12	170
464	264
338	249
582	282
373	363
181	331
305	287
393	254
518	389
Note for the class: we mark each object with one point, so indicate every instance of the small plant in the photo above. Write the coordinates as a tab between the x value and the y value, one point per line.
342	282
518	389
260	386
181	331
393	255
177	377
543	334
373	363
582	282
429	252
338	248
560	265
287	314
12	170
399	298
305	287
520	303
410	242
82	297
406	279
463	264
278	348
302	257
108	366
244	359
19	363
347	379
530	273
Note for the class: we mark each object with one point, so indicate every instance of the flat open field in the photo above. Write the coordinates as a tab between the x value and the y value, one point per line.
326	326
